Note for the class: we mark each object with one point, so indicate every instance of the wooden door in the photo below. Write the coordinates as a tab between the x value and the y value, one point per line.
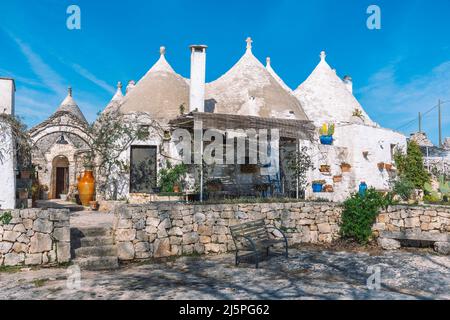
61	181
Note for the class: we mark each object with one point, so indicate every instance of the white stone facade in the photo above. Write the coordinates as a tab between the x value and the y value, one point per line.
7	150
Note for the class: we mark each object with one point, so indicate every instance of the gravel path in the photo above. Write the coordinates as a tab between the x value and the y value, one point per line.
308	274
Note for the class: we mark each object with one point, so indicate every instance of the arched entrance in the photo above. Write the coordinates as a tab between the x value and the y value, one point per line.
60	176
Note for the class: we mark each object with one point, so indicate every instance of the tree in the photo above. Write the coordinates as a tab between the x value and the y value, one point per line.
22	141
410	165
299	163
111	135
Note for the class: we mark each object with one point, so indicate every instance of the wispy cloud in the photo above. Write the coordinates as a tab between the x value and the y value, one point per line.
394	103
91	77
49	77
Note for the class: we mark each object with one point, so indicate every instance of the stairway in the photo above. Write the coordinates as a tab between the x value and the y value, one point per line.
93	248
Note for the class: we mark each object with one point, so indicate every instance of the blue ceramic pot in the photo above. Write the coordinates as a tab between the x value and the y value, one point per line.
362	189
317	187
327	140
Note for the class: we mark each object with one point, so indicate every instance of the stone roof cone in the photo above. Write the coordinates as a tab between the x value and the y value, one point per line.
160	92
69	105
326	98
116	99
248	88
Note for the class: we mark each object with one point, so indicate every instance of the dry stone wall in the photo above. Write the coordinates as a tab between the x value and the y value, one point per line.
35	237
162	230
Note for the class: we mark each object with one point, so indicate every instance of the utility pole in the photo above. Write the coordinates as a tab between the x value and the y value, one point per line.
420	122
440	123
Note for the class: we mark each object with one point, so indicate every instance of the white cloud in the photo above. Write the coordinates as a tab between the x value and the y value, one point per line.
91	77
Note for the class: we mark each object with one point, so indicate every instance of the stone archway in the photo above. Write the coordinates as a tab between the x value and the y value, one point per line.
60	176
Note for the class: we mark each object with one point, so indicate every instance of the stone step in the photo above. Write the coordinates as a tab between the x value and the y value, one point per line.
100	251
97	263
96	241
90	232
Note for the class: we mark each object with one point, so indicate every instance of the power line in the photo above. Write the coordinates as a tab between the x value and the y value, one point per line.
408	124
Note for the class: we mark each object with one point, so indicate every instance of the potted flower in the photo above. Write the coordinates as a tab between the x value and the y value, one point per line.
328	188
326	134
317	185
345	167
324	168
380	166
337	179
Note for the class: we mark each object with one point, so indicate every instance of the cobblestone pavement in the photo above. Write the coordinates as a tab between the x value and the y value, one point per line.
308	274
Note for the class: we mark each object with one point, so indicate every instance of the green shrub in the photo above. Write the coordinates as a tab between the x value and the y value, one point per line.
360	214
404	188
410	165
6	217
171	176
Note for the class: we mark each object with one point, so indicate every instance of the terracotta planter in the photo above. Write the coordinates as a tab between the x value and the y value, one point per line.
176	188
328	188
337	179
380	166
388	166
86	188
346	167
325	168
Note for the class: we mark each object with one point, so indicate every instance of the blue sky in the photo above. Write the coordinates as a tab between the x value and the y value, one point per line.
397	71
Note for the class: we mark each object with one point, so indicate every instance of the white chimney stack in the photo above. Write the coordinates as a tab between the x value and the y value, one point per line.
348	83
198	74
7	93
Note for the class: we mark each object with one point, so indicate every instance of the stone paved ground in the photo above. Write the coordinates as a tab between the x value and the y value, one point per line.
309	274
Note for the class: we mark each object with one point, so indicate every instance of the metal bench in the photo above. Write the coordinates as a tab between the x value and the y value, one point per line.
254	239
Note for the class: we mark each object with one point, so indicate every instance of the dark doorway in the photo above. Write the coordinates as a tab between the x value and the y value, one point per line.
143	172
62	181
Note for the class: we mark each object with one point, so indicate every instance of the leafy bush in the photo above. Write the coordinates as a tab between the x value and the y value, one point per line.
6	217
360	214
171	176
410	165
404	188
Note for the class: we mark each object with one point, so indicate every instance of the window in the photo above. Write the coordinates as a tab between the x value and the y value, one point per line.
143	171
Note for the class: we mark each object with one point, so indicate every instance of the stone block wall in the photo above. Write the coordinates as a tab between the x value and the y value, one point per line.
422	219
35	237
162	230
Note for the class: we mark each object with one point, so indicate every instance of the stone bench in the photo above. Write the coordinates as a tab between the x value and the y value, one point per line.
391	240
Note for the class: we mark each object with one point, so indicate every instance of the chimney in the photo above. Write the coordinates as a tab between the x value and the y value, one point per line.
7	96
198	74
348	83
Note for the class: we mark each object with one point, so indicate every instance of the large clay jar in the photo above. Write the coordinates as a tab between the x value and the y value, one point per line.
86	188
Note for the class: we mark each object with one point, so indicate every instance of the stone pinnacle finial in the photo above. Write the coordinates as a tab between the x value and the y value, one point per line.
268	62
119	85
69	90
323	55
162	50
249	43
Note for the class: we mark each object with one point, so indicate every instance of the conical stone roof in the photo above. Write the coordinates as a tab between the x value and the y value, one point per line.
160	92
325	98
116	99
69	105
248	88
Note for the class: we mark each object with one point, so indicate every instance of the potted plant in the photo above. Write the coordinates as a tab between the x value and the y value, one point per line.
380	166
337	179
328	188
63	196
94	205
317	185
345	167
324	168
388	166
44	192
326	132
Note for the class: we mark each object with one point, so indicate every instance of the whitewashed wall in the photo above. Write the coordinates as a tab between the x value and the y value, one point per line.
7	162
